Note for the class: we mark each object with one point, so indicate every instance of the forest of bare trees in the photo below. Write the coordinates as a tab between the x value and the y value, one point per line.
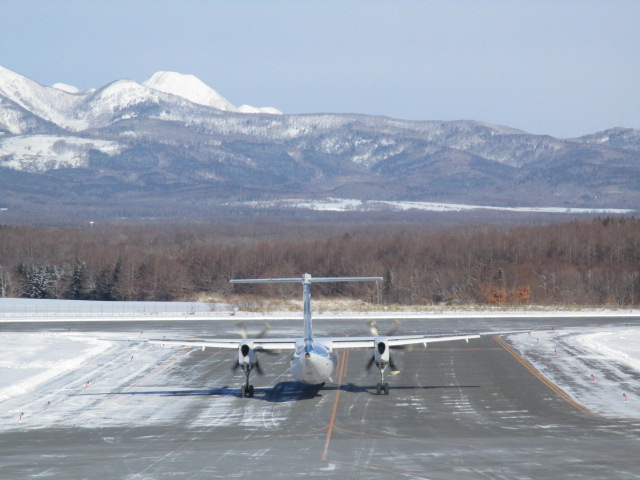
594	262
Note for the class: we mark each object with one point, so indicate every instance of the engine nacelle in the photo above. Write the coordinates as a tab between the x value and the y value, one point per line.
381	350
246	354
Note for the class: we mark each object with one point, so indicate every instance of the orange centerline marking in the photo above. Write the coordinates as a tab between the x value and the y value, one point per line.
341	371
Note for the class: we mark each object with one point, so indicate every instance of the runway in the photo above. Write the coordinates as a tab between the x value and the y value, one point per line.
455	411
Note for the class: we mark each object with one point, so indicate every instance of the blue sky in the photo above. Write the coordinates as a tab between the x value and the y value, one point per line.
564	68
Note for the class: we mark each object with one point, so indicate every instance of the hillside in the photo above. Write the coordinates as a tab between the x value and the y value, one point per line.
172	146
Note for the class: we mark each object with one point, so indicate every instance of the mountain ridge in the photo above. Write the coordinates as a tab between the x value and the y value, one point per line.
130	148
80	110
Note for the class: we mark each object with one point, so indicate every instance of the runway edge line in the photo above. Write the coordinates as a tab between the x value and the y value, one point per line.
552	386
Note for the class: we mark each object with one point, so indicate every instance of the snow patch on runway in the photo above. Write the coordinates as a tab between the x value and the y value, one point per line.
107	379
599	369
26	365
59	379
621	347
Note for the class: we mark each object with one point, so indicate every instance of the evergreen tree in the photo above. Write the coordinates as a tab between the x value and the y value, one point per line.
76	285
38	280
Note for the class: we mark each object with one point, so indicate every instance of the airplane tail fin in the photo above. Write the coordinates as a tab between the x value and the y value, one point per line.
306	281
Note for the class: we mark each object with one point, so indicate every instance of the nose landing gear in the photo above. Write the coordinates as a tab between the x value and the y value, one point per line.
382	387
246	390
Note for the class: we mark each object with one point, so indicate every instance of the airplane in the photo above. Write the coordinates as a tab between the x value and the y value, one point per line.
314	359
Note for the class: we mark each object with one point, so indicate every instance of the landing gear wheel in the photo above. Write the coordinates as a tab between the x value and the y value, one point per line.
378	388
250	391
243	391
385	389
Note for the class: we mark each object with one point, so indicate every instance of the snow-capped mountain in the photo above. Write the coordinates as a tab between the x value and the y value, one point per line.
71	109
66	88
173	142
194	90
189	87
51	104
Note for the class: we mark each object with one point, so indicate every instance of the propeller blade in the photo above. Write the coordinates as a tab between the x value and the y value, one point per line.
236	366
394	328
264	330
394	369
373	328
243	329
258	368
370	362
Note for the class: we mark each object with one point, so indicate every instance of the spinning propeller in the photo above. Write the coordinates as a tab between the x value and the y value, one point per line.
243	330
247	357
373	327
381	354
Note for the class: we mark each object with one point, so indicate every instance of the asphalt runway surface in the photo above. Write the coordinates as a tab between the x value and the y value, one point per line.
456	411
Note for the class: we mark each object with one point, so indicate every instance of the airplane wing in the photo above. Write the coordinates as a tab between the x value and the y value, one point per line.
394	340
257	343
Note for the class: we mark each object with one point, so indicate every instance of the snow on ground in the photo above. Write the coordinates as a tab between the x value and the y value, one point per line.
41	358
66	379
45	152
27	306
598	368
14	310
347	205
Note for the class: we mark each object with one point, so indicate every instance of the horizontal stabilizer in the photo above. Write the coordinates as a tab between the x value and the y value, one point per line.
306	278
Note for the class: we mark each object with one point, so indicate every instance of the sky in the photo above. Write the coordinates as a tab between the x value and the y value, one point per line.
564	68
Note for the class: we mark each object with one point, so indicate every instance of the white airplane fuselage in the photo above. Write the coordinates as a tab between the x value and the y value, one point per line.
313	364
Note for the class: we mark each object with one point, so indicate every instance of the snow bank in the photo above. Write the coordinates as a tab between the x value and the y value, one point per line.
27	365
597	368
